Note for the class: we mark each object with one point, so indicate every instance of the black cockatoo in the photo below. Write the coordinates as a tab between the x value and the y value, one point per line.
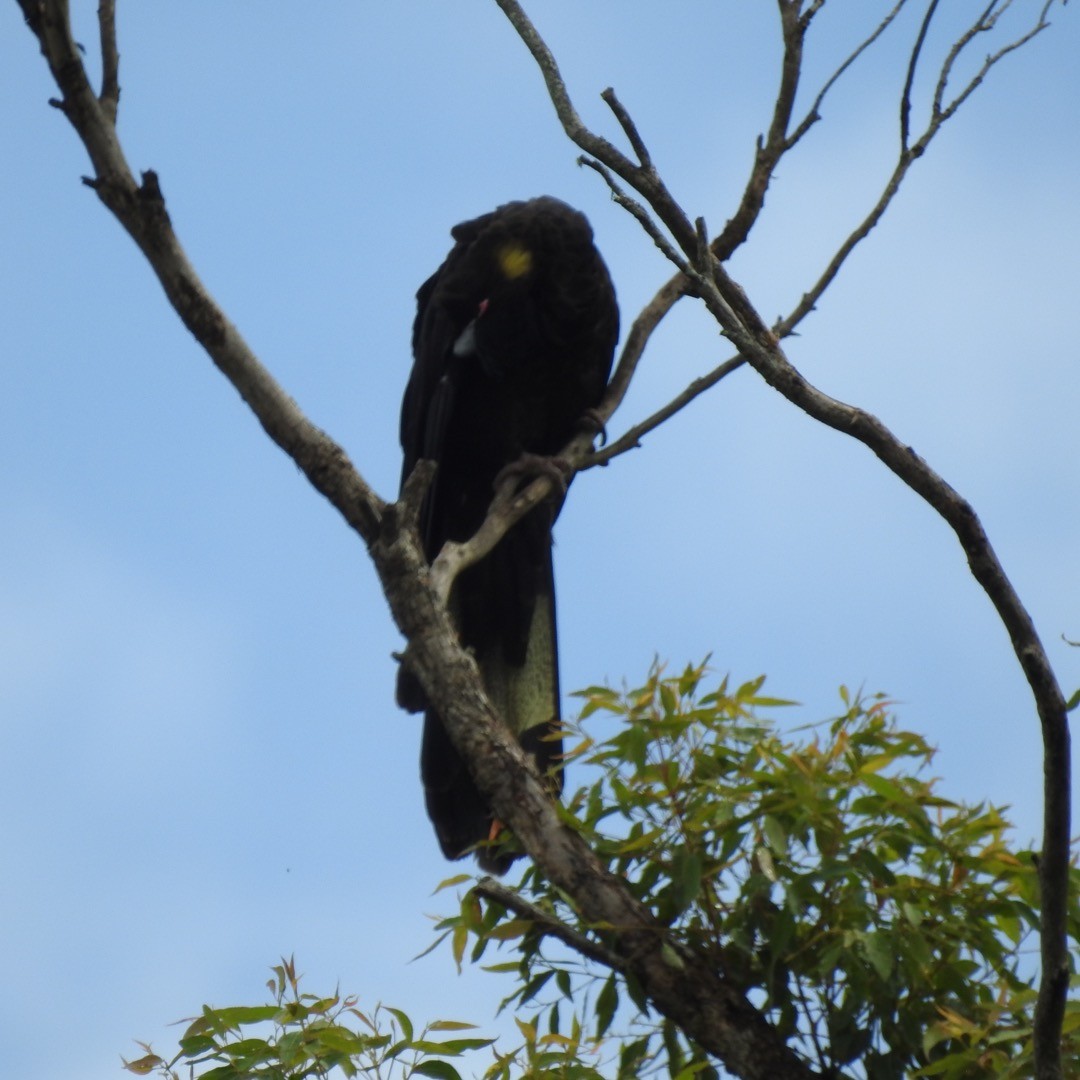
512	343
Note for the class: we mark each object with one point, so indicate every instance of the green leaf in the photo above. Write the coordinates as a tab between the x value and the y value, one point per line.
502	969
142	1066
440	1070
886	788
913	913
345	1041
879	951
451	1025
774	834
669	702
534	986
631	1057
671	957
512	928
762	702
607	1001
195	1045
403	1022
224	1072
251	1049
450	1047
460	939
450	882
244	1014
686	874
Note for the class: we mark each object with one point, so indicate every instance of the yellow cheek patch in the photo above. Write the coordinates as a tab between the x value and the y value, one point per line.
515	261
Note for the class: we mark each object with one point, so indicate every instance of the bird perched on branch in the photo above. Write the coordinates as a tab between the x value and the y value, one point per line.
512	343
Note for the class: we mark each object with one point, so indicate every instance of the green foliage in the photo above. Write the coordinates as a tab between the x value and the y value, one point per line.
884	930
302	1035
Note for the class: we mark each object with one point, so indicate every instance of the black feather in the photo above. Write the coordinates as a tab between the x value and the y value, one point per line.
512	343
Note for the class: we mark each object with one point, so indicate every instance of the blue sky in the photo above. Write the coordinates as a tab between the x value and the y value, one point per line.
204	768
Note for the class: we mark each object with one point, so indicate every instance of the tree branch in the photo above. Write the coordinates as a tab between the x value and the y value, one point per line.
140	209
110	60
760	347
770	149
547	924
643	177
648	319
769	361
913	63
682	985
637	211
909	152
986	23
631	438
712	1012
813	115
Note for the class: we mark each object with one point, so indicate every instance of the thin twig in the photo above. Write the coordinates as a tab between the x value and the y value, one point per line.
770	149
639	213
140	209
808	301
110	59
648	319
632	437
548	924
814	112
810	12
908	155
754	342
909	81
945	111
643	178
628	126
560	97
977	27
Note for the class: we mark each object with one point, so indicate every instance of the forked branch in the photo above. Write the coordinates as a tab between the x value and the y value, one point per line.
769	152
714	1013
760	347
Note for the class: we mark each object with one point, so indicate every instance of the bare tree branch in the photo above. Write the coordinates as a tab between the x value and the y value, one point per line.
913	64
682	985
643	177
546	923
909	154
632	437
110	59
814	113
648	319
760	347
772	148
636	210
983	25
769	361
812	9
140	209
712	1012
628	126
808	301
768	155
